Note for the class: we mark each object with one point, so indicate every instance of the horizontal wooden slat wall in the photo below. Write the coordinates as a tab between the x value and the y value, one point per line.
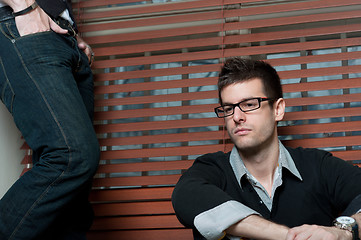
155	74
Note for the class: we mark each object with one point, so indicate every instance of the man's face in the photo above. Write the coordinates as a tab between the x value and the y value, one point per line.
254	130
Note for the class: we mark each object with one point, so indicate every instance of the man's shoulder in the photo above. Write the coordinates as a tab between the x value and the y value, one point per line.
219	158
300	151
311	156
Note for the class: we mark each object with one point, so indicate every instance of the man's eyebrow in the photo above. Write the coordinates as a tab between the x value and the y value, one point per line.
227	103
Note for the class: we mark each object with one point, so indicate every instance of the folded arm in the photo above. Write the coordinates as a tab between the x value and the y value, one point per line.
256	227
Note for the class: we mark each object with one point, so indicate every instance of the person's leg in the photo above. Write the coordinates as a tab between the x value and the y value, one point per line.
38	87
76	218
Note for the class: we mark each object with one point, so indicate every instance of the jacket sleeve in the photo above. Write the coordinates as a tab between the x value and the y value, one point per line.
201	203
52	7
353	207
343	183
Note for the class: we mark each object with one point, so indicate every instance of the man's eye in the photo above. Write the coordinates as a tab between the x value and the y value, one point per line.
249	104
227	109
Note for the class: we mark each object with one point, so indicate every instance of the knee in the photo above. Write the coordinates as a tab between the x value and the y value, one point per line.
86	165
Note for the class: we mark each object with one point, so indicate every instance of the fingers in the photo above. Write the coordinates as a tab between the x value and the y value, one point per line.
33	22
86	49
56	28
37	21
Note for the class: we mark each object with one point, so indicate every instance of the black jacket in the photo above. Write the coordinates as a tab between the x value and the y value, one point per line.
55	7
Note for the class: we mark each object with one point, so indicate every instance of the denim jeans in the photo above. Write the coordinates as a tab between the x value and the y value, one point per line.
46	84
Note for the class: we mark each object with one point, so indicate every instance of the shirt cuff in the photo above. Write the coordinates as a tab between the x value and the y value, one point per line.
65	14
212	223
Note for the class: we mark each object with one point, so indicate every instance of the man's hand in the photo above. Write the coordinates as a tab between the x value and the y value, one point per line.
315	232
86	49
37	21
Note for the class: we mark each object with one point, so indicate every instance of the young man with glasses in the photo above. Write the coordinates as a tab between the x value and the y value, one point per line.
262	189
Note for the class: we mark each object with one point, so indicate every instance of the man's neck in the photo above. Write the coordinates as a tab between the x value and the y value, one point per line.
262	163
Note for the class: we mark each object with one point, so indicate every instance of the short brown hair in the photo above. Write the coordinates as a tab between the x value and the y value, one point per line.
237	69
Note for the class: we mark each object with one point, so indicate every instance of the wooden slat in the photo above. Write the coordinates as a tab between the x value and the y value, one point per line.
155	85
157	125
136	181
326	113
174	234
300	6
161	152
157	98
291	47
131	194
100	3
153	8
157	72
163	138
348	155
144	166
295	19
320	128
323	85
133	208
330	99
325	142
137	222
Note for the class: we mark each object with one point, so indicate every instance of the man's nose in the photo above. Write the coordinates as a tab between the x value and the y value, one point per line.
239	115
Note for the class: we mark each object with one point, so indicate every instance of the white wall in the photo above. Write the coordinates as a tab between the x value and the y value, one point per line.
10	153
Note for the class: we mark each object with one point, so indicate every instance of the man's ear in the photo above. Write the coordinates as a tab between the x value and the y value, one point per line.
279	109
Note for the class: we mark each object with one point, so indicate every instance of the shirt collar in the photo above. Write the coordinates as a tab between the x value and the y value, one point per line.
284	161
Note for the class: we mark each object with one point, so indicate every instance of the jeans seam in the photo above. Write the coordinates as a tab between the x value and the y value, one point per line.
7	83
4	33
13	36
65	140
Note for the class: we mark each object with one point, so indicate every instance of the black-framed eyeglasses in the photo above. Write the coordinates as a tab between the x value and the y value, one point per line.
246	105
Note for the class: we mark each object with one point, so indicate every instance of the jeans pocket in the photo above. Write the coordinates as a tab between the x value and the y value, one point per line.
11	31
7	94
